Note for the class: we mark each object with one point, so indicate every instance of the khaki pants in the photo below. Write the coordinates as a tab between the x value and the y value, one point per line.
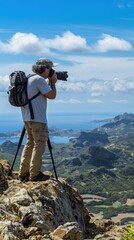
31	158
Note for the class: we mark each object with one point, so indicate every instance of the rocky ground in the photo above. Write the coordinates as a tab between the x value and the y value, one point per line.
49	210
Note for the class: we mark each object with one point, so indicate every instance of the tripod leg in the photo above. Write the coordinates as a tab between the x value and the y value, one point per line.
18	147
50	149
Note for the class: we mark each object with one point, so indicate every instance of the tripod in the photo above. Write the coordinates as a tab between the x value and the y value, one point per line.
19	145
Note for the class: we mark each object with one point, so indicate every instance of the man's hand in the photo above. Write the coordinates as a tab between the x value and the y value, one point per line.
52	80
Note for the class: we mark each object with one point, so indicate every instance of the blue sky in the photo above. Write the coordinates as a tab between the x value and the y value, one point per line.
91	39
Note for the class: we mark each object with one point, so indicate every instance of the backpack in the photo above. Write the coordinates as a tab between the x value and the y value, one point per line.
17	91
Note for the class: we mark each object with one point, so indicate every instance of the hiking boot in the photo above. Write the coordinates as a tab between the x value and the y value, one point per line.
40	177
24	177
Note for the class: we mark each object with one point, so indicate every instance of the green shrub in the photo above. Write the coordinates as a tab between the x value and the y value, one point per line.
129	235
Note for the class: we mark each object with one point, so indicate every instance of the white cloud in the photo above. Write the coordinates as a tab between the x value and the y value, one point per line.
97	87
109	43
4	82
84	68
97	94
120	6
68	42
77	101
94	101
29	43
128	4
93	88
122	101
26	43
72	86
120	85
72	100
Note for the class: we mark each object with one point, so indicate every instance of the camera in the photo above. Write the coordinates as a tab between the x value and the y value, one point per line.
60	75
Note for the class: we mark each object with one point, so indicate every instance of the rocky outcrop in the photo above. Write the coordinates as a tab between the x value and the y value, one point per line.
49	210
90	138
100	156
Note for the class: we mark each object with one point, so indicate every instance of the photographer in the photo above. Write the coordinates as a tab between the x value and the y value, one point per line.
36	129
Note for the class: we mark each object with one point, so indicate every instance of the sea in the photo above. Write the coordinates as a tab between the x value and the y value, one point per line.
75	121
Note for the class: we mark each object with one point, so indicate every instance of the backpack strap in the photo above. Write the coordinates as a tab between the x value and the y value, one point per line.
29	100
31	110
36	95
30	104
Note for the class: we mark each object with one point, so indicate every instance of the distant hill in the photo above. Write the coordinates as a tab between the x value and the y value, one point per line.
90	138
124	119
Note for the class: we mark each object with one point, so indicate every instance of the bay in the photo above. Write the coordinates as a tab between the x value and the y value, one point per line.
55	139
75	121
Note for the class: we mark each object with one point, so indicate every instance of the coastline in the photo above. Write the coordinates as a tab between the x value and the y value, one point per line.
75	121
62	126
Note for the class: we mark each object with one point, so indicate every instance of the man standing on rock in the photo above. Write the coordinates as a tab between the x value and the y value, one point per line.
36	129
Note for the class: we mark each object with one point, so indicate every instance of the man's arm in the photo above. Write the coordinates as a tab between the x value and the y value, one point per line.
51	82
52	93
